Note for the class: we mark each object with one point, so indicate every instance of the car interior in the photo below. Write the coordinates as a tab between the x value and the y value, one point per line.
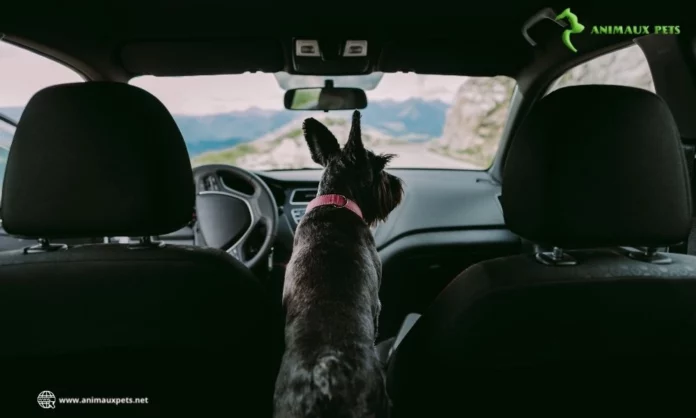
550	254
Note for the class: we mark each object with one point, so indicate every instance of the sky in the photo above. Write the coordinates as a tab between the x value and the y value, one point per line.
23	73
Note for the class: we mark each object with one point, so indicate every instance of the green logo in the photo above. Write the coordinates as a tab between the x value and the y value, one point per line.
575	27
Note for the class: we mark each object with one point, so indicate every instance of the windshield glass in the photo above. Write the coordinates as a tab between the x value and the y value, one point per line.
429	121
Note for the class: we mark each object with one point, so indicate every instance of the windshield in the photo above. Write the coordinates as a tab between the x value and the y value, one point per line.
428	121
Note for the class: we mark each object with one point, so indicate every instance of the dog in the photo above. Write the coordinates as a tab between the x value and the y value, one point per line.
331	292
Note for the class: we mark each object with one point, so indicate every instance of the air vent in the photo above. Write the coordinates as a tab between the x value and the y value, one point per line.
302	196
297	215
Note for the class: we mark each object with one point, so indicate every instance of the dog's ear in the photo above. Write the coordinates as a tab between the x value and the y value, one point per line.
323	145
354	146
381	161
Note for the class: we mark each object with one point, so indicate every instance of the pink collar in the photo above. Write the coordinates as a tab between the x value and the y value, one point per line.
335	200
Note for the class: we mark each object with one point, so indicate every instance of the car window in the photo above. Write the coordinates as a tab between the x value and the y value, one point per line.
624	67
6	133
23	73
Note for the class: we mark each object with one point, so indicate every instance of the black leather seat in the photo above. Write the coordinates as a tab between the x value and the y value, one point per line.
592	168
186	327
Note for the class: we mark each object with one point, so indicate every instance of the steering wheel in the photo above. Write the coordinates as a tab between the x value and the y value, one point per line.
226	218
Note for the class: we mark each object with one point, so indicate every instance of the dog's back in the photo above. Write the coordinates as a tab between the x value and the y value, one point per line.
338	385
331	301
331	293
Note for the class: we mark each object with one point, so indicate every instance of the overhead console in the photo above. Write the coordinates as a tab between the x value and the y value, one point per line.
332	56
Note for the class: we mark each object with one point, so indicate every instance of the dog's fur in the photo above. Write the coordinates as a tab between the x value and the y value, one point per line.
330	367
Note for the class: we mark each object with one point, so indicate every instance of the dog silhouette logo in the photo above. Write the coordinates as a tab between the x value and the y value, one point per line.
575	27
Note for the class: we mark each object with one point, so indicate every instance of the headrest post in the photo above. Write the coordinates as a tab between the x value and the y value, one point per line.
557	253
44	246
146	242
555	257
650	255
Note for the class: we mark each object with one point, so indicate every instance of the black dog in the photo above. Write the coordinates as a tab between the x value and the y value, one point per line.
330	367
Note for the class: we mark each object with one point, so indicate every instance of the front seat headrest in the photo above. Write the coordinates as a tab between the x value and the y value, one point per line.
595	166
96	159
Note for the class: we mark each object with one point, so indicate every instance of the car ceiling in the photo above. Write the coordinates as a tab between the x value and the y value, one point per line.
212	39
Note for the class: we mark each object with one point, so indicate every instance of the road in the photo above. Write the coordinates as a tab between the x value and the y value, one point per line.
418	156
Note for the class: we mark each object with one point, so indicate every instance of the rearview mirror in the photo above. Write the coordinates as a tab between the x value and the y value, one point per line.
325	98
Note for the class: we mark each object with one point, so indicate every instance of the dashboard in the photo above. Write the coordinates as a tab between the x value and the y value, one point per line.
434	201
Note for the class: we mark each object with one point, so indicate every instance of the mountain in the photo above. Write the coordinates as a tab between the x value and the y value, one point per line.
414	120
286	148
476	120
243	125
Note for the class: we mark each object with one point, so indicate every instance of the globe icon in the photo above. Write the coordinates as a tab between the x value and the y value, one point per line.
46	399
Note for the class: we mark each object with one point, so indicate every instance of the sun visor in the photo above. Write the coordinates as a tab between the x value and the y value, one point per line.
182	58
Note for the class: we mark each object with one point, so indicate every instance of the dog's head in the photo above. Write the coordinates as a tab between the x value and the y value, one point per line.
354	171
